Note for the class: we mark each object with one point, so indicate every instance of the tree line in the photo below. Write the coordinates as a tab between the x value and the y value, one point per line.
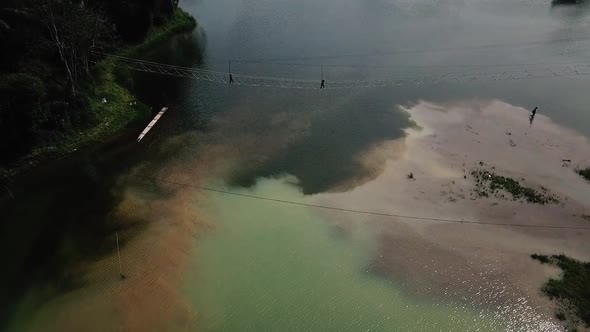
46	60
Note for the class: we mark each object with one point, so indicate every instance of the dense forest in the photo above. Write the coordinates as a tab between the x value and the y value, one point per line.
47	64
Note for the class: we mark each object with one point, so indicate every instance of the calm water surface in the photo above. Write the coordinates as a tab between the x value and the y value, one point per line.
265	266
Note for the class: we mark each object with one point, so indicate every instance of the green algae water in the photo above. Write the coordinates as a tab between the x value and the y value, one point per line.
268	266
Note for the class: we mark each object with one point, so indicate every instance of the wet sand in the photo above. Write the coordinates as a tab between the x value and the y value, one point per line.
483	265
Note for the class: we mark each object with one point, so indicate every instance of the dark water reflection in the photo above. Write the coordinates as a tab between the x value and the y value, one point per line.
327	155
58	219
400	38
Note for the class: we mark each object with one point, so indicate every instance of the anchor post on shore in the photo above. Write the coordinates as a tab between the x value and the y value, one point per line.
119	256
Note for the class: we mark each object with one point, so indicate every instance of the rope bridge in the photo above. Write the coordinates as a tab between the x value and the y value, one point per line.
219	77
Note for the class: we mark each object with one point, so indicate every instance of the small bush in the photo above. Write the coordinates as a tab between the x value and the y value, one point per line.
572	288
585	173
541	258
488	182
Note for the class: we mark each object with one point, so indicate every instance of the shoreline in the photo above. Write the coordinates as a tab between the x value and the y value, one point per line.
114	116
113	128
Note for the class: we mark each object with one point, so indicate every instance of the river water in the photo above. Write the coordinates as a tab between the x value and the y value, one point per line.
259	265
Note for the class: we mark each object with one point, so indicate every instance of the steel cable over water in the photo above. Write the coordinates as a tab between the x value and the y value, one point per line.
573	69
374	213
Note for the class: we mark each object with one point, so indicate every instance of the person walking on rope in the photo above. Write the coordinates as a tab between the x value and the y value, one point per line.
323	84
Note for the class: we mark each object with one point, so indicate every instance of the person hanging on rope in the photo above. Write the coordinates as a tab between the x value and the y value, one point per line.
231	79
323	84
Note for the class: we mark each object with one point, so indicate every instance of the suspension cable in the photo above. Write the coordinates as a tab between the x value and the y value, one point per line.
574	69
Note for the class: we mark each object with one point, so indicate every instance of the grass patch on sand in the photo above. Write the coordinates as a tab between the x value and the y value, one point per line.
490	184
571	290
544	259
584	172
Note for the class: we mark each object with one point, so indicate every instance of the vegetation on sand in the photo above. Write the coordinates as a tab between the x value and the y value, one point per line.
544	259
585	173
572	290
489	183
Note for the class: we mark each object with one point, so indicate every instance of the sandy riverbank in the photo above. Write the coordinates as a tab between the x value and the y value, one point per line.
480	264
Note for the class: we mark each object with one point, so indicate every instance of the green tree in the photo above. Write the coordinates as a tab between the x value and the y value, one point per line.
76	31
